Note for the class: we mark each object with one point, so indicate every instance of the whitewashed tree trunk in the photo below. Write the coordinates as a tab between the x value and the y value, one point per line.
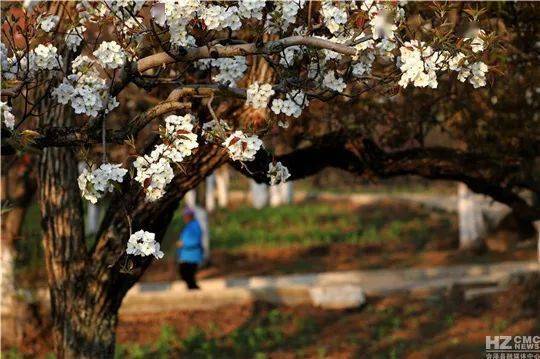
210	193
259	194
281	194
287	192
222	186
472	227
191	198
8	300
276	196
92	219
201	215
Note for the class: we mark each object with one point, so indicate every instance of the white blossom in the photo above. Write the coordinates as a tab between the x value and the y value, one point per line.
179	131
334	17
74	37
95	184
220	17
292	105
143	243
154	173
476	41
284	15
49	22
259	95
63	92
230	69
242	147
46	57
418	65
475	73
478	78
289	55
4	62
90	94
177	15
7	117
251	9
364	64
110	55
277	173
333	82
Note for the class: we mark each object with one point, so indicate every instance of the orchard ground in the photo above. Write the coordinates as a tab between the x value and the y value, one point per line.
436	324
318	236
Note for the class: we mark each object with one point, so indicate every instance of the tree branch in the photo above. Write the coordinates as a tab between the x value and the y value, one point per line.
270	47
497	179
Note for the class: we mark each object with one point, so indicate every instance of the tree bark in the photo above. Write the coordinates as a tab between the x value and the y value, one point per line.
210	194
18	187
472	226
83	323
259	194
222	186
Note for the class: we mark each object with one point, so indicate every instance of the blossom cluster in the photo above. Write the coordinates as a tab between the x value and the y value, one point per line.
230	69
41	58
251	9
334	16
284	15
95	184
7	117
289	55
292	105
74	37
110	55
179	16
419	64
220	17
259	95
87	91
334	82
143	243
474	72
154	171
242	147
48	23
277	173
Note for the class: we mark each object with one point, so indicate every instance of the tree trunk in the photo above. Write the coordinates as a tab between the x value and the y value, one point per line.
210	192
92	218
222	186
83	321
472	226
18	187
259	194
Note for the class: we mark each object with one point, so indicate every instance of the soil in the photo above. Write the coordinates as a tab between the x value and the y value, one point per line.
427	325
434	324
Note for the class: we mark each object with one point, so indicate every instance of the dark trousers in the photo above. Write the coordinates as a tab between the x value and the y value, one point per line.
187	273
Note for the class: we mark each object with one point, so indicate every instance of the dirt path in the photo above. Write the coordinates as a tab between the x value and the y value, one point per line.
298	289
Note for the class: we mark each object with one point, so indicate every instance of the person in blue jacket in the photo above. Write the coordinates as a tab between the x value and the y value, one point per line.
189	249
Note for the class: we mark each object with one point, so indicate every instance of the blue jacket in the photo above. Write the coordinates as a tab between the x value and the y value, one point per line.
192	249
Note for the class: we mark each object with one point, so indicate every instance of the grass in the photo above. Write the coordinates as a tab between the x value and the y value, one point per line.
301	225
306	224
250	341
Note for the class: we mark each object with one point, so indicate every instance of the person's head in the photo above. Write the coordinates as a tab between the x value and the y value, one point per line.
188	214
